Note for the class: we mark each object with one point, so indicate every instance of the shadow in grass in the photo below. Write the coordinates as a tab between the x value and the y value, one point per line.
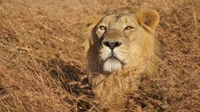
74	80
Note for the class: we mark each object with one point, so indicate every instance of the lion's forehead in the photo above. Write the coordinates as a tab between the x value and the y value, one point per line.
117	21
115	18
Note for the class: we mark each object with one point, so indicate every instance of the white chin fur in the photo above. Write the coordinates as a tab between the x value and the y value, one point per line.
111	65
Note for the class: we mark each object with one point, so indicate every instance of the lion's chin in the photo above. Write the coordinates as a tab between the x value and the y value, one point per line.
112	65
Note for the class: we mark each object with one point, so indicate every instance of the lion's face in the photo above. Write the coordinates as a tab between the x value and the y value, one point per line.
119	37
120	40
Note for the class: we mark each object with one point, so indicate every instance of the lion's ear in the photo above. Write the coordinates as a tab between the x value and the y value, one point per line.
148	18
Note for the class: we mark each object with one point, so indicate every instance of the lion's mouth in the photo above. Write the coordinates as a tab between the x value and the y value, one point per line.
112	64
114	58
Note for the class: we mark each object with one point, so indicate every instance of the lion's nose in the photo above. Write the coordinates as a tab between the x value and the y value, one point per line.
112	45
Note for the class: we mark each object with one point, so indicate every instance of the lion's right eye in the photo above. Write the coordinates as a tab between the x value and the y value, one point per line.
128	28
102	27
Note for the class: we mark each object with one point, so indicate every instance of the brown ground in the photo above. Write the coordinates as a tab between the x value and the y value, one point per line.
42	68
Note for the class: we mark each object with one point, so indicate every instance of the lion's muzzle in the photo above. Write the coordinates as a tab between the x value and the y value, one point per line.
111	61
111	43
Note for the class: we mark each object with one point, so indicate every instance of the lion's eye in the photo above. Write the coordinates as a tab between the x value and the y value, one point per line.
102	27
128	28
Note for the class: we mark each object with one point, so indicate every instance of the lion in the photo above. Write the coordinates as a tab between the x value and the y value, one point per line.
120	50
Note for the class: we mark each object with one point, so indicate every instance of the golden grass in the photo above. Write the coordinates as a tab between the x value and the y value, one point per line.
42	67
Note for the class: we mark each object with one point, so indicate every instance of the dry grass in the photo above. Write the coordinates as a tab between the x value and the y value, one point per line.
42	68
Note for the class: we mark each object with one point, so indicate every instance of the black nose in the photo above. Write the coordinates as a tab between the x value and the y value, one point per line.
112	45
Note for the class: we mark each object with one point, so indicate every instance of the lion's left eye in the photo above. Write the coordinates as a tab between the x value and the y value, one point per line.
102	27
128	28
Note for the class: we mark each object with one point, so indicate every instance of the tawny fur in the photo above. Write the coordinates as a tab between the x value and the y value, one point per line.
138	54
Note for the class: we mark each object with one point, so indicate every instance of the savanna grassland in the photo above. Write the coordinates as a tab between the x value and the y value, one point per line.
42	67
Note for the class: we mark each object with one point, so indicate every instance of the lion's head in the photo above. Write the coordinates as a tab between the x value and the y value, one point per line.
120	40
